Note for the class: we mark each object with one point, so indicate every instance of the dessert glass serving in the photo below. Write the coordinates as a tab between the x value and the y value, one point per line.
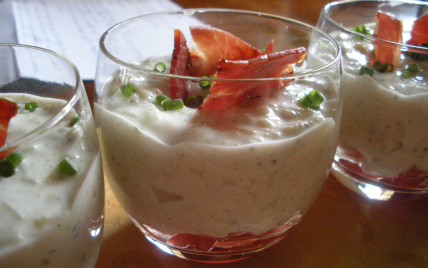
51	181
383	147
218	181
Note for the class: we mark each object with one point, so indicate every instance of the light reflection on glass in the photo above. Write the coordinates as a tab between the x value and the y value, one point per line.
374	192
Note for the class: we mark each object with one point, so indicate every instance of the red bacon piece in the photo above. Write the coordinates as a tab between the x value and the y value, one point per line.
213	45
229	93
419	32
388	28
180	65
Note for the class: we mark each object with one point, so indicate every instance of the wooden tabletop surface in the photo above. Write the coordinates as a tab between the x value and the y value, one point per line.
342	229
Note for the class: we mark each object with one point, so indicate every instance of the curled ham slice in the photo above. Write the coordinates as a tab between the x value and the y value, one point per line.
229	93
212	45
419	32
388	28
180	65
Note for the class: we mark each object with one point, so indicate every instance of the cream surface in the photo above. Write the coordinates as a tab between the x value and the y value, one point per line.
248	169
48	219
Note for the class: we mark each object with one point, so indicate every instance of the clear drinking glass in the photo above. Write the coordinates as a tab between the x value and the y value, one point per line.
215	185
51	213
383	147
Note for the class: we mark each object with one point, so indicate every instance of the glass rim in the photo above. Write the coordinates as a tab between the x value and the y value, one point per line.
325	13
70	102
334	62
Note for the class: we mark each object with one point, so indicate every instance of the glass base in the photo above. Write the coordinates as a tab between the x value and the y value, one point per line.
373	189
208	249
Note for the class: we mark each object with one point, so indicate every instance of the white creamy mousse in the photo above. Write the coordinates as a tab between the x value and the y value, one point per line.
49	219
385	117
248	169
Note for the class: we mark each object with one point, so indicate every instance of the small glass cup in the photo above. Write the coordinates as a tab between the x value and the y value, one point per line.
51	181
215	186
383	146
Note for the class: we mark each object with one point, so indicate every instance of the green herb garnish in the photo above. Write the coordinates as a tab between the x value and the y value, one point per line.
365	70
194	101
7	169
361	29
160	98
381	68
312	100
15	158
31	106
66	167
204	84
160	67
9	163
127	90
175	104
409	70
74	121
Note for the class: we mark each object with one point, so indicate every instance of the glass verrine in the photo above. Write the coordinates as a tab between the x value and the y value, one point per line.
215	185
51	181
383	147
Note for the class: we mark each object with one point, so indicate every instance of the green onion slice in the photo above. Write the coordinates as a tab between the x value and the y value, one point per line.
365	70
312	100
194	101
15	158
7	169
204	84
406	74
74	121
361	29
31	106
390	67
160	98
172	104
66	167
377	65
160	67
127	89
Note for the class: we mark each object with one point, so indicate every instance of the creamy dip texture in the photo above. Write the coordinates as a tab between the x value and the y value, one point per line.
385	117
247	169
49	219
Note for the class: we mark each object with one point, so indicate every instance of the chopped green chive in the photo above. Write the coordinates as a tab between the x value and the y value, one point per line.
66	167
381	68
390	67
409	69
172	104
365	70
205	84
15	158
160	67
74	121
361	29
160	98
194	101
312	100
406	74
412	67
377	65
7	169
31	106
127	90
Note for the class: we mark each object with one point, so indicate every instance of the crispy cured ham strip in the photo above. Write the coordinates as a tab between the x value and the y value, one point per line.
180	65
388	28
8	110
419	32
229	93
212	45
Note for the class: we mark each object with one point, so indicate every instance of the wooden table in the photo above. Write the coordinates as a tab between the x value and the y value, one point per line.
342	229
